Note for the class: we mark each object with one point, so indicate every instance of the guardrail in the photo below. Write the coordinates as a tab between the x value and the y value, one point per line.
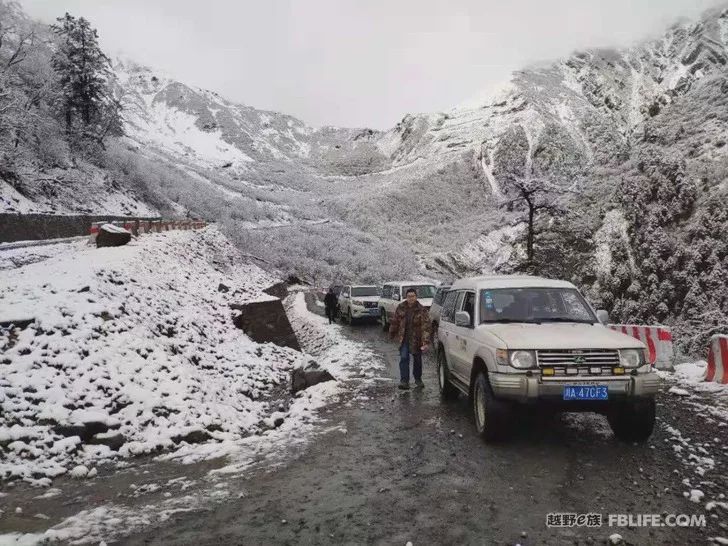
717	370
138	227
658	340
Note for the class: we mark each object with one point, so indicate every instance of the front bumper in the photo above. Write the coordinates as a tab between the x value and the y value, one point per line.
361	312
525	388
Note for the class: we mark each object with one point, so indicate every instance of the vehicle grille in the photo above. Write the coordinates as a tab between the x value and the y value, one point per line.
579	361
370	304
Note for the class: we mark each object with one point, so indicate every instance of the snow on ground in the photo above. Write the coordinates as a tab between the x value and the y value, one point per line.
14	255
341	357
301	424
134	341
690	376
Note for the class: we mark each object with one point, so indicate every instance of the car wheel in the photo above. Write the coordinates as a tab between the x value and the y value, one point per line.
383	319
349	318
448	391
633	421
490	414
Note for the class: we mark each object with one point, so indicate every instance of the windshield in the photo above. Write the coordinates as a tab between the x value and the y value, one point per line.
423	291
364	291
534	305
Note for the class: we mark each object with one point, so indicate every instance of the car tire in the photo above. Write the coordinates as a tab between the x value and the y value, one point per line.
448	391
349	318
383	319
633	421
489	413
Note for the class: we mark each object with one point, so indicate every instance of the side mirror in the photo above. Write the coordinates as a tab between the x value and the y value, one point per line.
462	318
395	297
603	316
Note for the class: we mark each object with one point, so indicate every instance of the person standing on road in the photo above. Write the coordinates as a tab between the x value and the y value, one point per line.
411	328
330	301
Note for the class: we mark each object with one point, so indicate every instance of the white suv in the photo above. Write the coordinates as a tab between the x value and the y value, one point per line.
393	293
507	340
357	302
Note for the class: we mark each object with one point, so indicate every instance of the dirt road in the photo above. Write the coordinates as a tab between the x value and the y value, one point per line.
410	468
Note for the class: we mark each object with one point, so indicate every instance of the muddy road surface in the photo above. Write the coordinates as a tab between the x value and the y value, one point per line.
406	467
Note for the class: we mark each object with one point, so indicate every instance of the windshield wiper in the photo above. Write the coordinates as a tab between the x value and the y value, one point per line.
565	319
509	321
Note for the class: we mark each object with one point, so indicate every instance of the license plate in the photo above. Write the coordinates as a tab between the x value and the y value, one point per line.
586	392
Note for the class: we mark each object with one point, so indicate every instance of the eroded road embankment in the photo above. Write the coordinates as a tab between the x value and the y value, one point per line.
407	467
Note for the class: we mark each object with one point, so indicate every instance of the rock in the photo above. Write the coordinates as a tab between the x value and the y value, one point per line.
278	422
223	288
111	235
79	472
72	430
112	440
266	321
194	437
303	379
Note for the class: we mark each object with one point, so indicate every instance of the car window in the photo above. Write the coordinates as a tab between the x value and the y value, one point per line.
365	291
575	306
440	296
469	306
537	304
448	307
459	301
423	290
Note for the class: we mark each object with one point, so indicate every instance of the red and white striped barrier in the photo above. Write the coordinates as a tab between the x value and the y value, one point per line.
717	369
658	340
94	231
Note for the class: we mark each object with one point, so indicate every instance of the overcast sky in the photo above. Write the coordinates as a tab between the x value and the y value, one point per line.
359	62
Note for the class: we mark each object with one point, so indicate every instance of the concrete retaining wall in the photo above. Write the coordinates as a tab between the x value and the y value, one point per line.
33	227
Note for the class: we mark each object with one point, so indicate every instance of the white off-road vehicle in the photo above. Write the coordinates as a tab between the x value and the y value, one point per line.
508	340
395	292
358	302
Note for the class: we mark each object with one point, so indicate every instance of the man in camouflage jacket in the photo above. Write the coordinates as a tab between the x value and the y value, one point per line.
410	327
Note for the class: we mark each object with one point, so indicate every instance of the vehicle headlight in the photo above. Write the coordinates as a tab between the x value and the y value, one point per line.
631	358
358	302
523	359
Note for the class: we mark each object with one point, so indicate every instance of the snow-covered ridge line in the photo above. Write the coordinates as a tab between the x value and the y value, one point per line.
132	350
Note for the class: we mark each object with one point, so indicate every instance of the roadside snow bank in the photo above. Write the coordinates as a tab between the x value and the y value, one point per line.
692	374
343	358
132	351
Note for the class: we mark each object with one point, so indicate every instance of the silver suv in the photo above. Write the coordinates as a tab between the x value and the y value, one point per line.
508	340
358	302
394	292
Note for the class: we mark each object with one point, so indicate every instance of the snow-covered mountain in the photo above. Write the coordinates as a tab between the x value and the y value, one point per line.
432	169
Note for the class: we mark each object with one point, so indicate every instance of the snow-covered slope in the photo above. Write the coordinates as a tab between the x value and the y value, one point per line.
136	344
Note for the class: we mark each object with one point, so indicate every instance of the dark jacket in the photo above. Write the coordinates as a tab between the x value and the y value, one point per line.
420	330
330	300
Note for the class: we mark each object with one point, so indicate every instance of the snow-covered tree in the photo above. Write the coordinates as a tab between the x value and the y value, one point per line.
537	174
84	74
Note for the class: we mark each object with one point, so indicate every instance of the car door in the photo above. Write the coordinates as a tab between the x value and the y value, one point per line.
386	291
463	345
344	300
393	301
446	331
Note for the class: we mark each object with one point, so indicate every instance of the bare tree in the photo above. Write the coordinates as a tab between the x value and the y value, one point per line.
536	172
